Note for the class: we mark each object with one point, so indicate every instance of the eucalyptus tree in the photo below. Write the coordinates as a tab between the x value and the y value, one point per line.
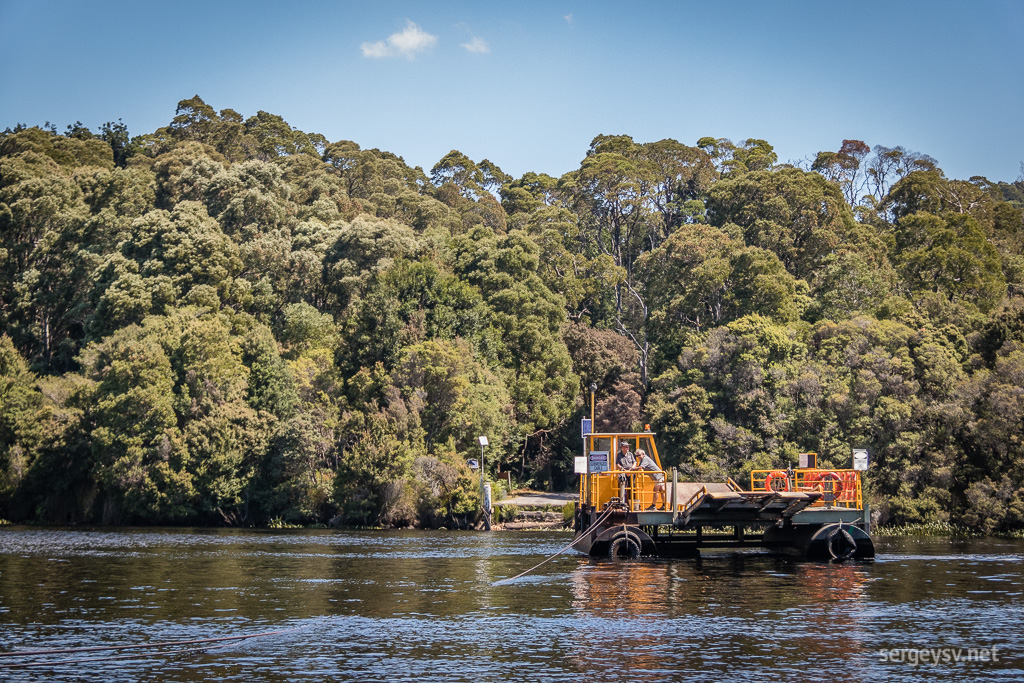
528	193
890	165
628	199
732	159
610	194
845	168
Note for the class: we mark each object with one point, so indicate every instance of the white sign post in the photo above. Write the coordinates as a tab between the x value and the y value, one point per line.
860	459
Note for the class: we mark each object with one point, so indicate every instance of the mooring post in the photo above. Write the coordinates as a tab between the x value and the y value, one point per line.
675	502
487	506
485	489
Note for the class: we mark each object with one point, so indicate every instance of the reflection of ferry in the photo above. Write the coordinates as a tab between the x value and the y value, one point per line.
810	512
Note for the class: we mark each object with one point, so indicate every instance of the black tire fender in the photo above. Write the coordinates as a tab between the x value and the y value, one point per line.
625	545
841	544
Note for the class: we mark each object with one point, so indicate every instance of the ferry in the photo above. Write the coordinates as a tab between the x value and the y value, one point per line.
808	512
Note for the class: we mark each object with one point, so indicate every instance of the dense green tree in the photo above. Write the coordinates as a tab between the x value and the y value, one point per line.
295	480
526	319
702	278
365	248
121	144
586	281
459	170
235	321
799	216
45	256
373	179
453	396
730	159
168	257
406	303
23	418
250	199
728	392
175	436
894	393
371	485
528	193
950	255
138	460
850	283
275	138
67	152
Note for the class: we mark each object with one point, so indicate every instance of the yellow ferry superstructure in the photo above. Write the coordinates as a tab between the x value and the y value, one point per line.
810	512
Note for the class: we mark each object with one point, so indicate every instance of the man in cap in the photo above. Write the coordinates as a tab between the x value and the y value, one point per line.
647	464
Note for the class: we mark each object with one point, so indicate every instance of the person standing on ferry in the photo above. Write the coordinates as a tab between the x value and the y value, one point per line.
626	462
647	464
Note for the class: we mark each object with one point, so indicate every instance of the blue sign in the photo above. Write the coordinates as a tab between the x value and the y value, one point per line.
586	427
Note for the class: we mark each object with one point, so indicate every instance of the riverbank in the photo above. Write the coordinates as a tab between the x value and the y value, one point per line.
940	529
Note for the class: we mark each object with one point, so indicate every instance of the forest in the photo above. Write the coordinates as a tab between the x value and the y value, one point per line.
232	321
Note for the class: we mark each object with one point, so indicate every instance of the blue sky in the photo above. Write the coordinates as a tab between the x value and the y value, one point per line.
529	84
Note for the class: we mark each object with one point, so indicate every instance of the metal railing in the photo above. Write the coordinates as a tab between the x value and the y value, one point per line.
695	500
841	488
639	488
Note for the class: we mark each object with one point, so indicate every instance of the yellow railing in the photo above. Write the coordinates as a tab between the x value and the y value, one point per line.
639	489
843	485
695	499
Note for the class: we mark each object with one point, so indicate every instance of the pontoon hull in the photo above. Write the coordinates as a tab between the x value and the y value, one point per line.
823	535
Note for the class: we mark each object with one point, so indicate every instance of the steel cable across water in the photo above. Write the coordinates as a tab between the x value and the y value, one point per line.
576	540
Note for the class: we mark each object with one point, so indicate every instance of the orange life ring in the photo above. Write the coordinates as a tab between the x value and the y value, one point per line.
780	476
838	485
849	486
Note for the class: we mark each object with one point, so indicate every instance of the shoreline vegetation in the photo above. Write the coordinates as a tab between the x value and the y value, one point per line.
230	321
941	529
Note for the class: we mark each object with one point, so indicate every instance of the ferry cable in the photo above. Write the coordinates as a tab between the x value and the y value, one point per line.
576	540
156	649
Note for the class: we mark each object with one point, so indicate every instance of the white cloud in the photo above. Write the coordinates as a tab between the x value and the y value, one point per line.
568	18
477	45
376	50
407	43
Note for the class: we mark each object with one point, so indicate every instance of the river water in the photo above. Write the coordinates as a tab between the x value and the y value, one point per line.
409	605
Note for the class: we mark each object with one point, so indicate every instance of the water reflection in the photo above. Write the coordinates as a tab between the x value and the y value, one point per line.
723	610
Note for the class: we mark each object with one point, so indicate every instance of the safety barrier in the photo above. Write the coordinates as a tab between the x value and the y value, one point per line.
842	488
639	489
